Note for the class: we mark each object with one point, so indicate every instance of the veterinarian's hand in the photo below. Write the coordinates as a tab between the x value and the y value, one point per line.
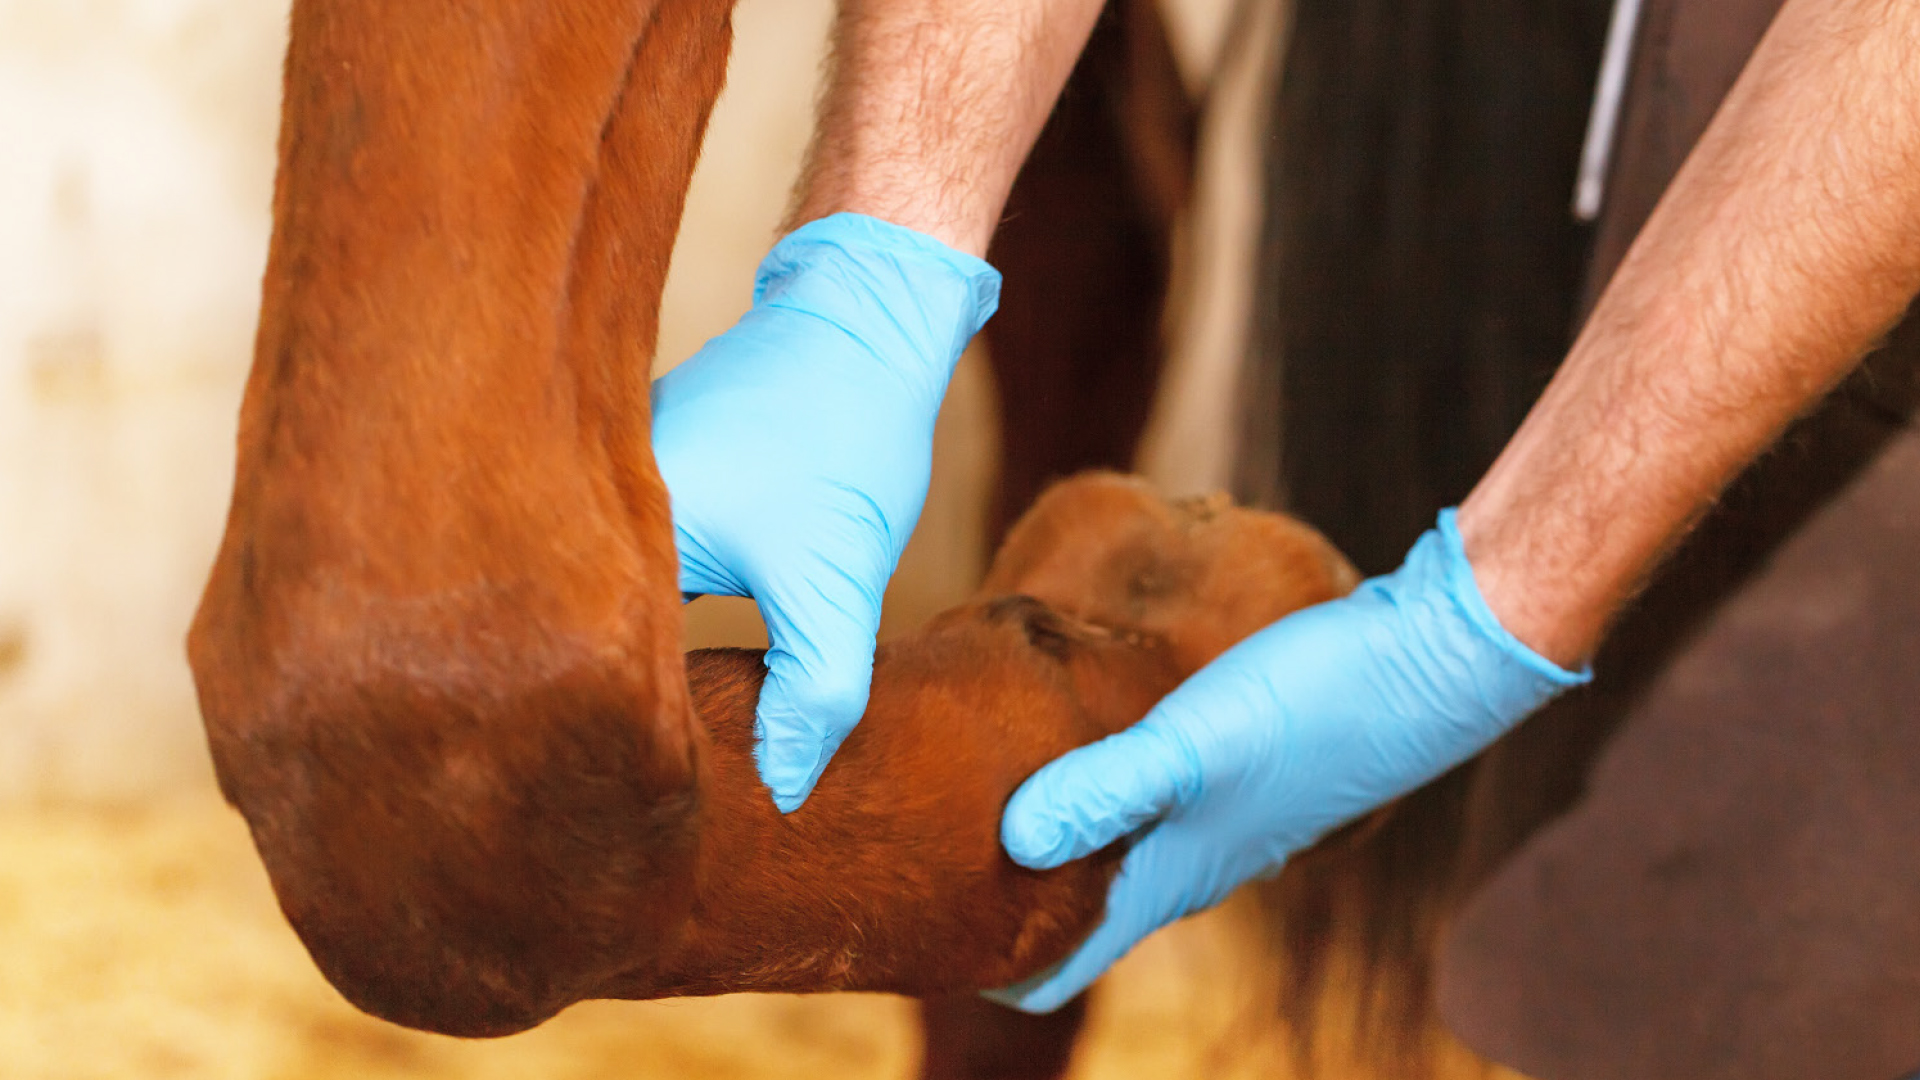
1300	728
796	448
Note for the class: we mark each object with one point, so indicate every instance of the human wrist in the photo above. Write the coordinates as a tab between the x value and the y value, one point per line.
900	200
906	296
1552	584
1544	671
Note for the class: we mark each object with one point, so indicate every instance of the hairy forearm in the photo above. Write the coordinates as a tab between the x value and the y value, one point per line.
1787	244
931	106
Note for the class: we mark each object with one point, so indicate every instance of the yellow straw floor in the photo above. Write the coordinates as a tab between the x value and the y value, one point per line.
145	944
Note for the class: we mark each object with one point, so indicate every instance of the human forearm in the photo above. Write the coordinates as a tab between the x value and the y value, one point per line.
931	106
1788	242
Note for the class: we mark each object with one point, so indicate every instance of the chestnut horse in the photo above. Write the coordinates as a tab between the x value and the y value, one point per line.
438	656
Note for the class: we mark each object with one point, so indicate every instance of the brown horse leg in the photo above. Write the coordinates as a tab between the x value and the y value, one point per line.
438	657
971	1038
1086	246
892	877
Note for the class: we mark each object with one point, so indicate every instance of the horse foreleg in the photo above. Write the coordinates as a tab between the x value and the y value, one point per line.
1086	247
971	1038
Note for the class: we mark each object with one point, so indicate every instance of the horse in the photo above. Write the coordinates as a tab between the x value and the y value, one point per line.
438	654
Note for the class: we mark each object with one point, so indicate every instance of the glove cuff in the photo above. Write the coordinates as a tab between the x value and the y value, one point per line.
1465	590
903	292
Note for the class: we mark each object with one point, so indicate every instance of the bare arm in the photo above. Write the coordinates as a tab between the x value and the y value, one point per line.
1787	244
931	106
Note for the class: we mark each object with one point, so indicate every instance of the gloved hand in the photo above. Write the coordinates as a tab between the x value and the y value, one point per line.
796	448
1298	729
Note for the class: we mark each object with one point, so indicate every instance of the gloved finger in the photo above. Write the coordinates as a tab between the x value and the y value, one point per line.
1092	796
702	573
1137	906
819	672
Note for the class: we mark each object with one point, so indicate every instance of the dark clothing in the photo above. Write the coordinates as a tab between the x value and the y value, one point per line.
1737	892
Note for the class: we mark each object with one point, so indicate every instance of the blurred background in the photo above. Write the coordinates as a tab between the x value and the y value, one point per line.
138	933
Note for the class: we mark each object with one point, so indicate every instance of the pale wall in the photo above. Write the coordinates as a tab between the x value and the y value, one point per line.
136	155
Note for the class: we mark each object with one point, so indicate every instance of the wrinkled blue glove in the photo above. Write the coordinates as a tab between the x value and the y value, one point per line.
1302	727
796	448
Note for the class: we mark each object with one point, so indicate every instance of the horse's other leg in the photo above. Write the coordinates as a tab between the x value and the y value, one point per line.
971	1038
1086	249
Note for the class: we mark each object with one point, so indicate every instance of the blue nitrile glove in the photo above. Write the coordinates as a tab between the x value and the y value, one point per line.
796	448
1304	726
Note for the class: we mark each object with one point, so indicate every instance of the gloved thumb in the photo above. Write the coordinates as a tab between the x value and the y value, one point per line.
1138	905
1092	796
819	672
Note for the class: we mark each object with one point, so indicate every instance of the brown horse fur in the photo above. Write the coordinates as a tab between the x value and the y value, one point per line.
891	877
1086	245
437	656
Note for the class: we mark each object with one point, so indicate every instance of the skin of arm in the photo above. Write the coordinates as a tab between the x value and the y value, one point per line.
1788	243
931	106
